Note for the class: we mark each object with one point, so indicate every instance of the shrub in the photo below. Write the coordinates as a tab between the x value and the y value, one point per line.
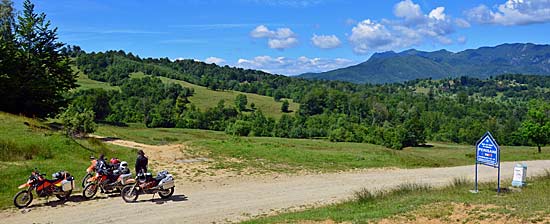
78	122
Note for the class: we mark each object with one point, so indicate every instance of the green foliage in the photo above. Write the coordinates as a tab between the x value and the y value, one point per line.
239	128
284	106
537	126
78	122
241	102
34	74
456	110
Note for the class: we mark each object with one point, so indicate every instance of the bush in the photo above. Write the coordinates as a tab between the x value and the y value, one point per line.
240	127
78	122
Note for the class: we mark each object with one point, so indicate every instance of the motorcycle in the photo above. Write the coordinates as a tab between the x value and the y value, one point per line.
108	186
163	184
61	186
90	171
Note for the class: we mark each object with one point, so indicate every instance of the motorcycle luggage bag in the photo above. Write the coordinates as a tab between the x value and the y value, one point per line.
124	178
167	182
67	185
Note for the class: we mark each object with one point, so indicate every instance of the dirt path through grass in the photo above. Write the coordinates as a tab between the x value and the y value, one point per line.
163	156
237	198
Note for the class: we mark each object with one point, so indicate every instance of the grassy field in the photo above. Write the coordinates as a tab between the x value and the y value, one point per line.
26	144
422	204
86	83
289	155
203	97
206	98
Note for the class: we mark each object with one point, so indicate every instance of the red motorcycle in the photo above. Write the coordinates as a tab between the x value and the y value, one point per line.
61	186
107	185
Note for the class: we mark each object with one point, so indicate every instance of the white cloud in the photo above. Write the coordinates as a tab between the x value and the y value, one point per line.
281	38
462	23
408	10
282	43
368	35
293	66
178	59
437	13
413	28
214	60
325	41
512	12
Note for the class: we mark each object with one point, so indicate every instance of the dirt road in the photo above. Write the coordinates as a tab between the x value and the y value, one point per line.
238	198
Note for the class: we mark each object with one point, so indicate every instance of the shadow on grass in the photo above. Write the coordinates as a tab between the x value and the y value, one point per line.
118	124
425	146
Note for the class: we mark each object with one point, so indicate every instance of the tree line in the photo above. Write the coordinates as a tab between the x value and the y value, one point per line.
394	115
36	76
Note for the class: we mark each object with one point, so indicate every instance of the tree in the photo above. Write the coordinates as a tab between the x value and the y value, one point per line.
537	126
284	106
78	122
38	74
240	102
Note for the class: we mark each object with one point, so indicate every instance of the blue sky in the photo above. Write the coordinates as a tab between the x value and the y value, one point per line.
292	37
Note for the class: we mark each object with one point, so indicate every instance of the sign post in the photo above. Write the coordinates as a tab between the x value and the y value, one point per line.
488	154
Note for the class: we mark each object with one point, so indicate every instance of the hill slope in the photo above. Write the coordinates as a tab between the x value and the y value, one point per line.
483	62
203	97
27	143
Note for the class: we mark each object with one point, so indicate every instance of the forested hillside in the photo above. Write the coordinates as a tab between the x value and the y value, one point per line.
388	67
395	115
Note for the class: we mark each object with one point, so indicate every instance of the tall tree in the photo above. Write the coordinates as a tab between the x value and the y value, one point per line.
35	84
284	106
8	55
537	126
240	102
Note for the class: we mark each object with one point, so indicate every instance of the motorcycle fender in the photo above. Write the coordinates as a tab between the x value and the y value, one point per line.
25	185
130	181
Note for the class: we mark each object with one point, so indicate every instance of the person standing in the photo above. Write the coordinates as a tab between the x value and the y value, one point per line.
141	162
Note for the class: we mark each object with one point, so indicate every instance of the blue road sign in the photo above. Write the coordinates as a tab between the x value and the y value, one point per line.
488	151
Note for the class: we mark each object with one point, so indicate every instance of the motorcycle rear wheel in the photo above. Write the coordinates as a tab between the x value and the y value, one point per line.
22	199
128	195
64	196
89	190
167	193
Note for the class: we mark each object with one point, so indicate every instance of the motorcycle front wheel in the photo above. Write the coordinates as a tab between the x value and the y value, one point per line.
22	199
85	179
129	193
166	193
89	190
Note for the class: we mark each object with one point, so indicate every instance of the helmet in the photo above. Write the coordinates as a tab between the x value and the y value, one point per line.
114	161
124	164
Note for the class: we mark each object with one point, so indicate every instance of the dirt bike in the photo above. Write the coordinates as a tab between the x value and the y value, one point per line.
61	186
103	182
163	184
90	171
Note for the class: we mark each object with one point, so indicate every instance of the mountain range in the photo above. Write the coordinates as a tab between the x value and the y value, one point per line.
389	67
